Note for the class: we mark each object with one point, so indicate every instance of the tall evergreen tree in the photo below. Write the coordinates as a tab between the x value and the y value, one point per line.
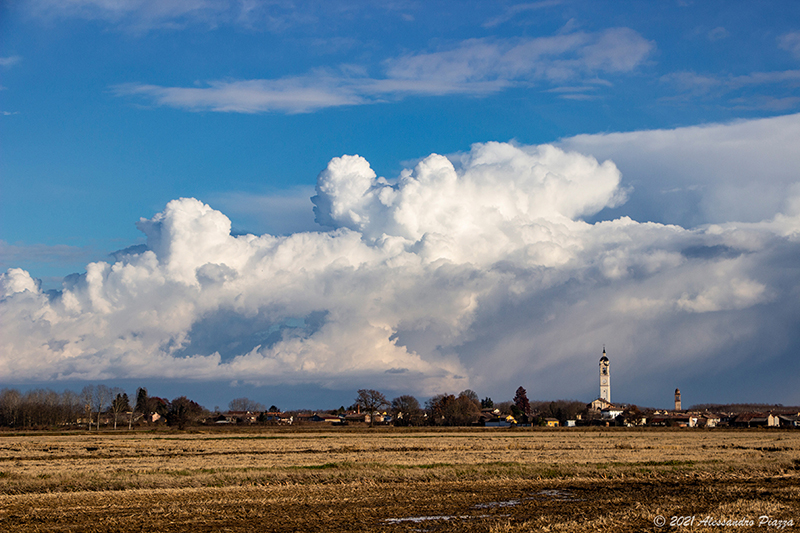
521	401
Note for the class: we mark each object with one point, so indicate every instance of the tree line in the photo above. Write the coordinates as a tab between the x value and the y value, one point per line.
465	408
40	408
97	405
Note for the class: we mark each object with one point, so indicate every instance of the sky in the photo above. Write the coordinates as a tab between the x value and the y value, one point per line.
291	201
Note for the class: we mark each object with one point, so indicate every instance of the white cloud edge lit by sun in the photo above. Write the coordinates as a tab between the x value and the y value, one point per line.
743	170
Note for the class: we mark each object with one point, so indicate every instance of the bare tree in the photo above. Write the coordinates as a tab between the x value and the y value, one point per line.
72	406
119	404
100	400
471	395
10	400
371	401
448	410
406	411
245	404
87	399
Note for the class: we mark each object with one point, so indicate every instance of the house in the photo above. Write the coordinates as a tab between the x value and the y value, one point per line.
610	412
498	424
684	420
492	418
304	418
681	420
708	420
658	420
551	422
237	417
356	418
632	417
275	417
749	420
789	421
329	419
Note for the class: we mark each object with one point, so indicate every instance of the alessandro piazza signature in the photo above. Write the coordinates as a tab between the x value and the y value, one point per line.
761	521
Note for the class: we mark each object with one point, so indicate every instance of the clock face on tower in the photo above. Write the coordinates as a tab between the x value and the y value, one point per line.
605	381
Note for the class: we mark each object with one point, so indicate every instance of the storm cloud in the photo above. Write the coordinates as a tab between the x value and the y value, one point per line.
475	270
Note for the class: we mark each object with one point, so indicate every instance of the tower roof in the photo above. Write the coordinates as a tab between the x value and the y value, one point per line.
604	358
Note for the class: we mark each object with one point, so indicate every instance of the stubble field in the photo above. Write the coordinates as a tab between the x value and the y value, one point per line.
398	480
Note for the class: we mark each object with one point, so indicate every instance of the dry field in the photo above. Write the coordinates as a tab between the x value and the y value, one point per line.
489	480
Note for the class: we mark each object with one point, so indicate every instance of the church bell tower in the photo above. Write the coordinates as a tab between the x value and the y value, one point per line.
605	378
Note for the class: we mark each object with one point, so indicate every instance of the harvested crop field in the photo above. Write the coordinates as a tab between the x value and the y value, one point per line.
400	480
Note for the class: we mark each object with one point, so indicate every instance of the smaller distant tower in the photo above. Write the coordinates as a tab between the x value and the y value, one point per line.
677	399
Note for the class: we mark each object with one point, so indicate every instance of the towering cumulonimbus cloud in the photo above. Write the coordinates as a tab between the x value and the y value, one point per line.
476	265
499	191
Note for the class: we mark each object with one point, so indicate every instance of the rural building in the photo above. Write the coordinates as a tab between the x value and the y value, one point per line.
274	417
751	420
237	417
329	419
599	404
610	412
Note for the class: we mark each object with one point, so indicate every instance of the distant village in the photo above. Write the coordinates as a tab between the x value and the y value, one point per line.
625	415
104	407
599	412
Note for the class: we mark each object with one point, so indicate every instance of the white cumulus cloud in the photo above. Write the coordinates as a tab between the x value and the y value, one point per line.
472	270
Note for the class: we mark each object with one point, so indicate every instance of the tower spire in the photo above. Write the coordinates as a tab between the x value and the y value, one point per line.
605	377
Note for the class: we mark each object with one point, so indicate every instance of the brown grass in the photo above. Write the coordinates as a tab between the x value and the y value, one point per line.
378	480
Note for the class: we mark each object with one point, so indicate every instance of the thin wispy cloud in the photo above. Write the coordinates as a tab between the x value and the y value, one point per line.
146	15
740	90
717	34
143	16
290	95
9	61
473	67
791	43
514	11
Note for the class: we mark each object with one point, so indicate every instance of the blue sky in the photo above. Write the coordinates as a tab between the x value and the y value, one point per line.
110	110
